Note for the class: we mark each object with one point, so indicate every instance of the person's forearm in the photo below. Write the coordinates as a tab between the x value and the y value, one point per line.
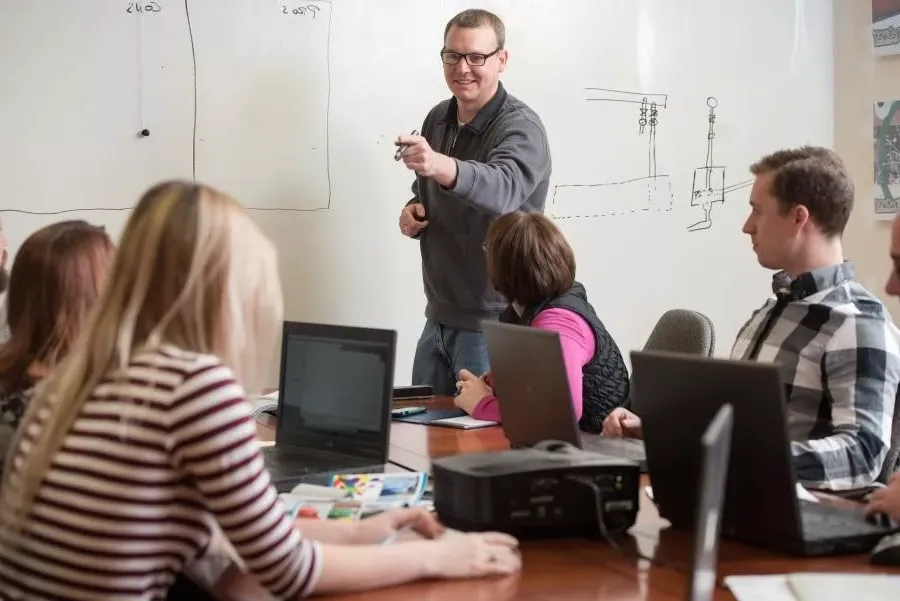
837	462
363	567
446	171
508	175
328	531
487	409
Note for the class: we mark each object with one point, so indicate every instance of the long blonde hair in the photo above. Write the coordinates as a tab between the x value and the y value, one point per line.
192	270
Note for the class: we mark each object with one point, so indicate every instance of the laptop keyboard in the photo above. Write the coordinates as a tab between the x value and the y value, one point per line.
288	466
826	521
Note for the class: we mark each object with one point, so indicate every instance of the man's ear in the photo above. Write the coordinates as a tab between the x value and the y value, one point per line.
800	216
503	56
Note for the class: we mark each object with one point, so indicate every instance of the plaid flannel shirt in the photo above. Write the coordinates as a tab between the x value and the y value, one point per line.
839	353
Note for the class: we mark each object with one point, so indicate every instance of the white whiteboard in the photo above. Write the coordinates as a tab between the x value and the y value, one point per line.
292	108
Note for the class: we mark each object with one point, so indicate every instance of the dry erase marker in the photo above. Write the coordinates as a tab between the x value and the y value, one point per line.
403	147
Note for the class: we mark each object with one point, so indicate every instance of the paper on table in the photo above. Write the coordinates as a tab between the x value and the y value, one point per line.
814	587
466	421
805	495
760	588
266	402
840	587
802	494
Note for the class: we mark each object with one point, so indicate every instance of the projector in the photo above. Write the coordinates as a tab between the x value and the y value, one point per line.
557	490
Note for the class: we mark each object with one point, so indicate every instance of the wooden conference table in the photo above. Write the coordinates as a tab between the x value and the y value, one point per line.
574	569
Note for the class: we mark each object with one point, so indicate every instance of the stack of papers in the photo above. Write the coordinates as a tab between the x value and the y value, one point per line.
353	496
465	422
263	404
815	587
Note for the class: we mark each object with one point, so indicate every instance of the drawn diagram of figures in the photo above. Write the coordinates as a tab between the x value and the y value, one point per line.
708	186
709	180
650	192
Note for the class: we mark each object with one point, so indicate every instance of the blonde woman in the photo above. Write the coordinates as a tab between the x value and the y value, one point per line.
141	442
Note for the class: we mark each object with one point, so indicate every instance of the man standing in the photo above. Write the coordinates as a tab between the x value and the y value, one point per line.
482	153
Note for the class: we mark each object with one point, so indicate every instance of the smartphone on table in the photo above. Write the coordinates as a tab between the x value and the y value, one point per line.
407	411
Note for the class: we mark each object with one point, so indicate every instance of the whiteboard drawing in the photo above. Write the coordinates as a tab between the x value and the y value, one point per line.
274	87
708	186
649	192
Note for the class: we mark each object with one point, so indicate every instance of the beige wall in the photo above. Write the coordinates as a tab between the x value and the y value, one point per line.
861	79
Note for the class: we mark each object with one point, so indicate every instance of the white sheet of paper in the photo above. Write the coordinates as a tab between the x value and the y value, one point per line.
805	495
772	587
814	586
842	587
465	421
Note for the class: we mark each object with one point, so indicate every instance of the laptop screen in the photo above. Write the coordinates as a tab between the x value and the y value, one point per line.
716	445
335	391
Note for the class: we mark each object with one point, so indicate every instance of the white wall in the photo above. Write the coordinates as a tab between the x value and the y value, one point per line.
298	112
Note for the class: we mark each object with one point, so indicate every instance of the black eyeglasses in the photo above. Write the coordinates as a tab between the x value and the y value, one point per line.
475	59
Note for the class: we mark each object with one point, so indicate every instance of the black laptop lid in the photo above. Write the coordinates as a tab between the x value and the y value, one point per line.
676	396
530	381
335	389
715	451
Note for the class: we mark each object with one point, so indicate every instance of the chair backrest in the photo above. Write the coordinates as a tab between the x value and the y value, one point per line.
681	331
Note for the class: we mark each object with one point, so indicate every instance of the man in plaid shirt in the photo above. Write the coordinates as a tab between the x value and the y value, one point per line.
834	341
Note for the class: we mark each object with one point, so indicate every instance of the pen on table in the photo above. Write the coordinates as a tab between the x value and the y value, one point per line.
403	147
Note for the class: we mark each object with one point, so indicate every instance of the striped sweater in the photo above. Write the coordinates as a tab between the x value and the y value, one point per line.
152	463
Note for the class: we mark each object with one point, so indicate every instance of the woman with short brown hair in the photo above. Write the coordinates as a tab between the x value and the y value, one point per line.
530	262
55	279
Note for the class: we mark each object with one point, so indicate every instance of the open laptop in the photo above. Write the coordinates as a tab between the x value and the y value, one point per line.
334	402
715	448
532	388
676	395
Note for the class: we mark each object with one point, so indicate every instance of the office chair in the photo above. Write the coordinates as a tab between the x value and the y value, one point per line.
681	331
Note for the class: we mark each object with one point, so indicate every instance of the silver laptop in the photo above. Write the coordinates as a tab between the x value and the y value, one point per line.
716	447
529	377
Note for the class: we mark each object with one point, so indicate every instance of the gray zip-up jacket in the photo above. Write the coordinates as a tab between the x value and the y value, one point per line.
503	161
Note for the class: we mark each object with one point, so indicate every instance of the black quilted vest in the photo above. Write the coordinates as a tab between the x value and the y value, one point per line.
605	376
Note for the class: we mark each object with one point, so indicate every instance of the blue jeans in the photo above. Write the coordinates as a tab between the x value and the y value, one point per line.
442	351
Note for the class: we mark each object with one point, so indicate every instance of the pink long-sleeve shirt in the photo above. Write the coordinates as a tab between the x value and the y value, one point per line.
578	348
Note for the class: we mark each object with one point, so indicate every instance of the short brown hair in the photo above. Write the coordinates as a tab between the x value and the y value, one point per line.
528	258
814	177
55	278
477	17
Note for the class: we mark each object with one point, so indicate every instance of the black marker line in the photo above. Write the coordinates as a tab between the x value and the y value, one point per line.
622	101
187	12
328	104
627	181
120	209
62	211
738	186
